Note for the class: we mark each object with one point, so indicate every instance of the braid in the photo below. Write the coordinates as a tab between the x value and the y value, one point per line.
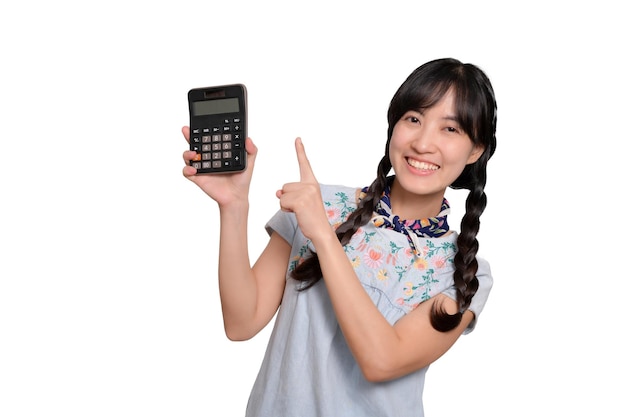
465	262
309	270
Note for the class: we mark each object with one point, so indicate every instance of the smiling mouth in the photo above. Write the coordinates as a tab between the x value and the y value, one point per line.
422	165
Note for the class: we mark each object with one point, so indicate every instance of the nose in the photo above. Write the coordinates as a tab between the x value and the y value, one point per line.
424	140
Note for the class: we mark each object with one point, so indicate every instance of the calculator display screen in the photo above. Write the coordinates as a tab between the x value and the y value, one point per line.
209	107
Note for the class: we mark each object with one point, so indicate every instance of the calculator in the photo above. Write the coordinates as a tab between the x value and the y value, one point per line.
218	128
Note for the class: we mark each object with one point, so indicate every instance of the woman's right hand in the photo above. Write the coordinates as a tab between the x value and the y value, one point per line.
223	188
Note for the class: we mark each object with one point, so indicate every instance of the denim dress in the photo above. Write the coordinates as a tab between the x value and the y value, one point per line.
308	369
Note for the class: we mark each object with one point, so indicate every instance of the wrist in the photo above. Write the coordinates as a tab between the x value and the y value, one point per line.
234	209
325	238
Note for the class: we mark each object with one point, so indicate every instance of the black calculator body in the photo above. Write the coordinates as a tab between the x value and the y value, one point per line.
218	128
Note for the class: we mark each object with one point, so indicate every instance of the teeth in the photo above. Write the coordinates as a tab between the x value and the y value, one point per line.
422	165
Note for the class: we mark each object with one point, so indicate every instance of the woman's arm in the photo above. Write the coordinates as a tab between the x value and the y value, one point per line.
382	351
249	295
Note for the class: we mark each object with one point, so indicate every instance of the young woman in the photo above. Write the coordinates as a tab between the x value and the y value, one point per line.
370	285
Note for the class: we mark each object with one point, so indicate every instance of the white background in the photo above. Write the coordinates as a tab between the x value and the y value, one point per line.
108	295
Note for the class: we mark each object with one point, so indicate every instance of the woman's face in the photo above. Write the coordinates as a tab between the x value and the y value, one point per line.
428	149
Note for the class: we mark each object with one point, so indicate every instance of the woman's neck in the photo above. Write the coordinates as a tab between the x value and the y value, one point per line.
409	206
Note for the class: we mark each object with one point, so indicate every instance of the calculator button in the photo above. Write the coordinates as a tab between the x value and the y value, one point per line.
219	144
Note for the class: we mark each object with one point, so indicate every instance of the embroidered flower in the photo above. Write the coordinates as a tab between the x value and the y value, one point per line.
382	275
420	263
391	259
333	215
365	241
373	258
439	262
408	289
355	261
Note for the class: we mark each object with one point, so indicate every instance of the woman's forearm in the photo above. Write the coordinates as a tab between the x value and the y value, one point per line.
367	332
236	279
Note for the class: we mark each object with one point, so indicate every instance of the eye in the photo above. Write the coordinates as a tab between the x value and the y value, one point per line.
454	128
412	117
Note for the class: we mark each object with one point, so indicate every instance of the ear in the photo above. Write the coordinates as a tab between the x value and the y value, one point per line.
476	153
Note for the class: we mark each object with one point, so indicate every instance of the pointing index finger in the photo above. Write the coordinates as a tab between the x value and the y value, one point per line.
306	172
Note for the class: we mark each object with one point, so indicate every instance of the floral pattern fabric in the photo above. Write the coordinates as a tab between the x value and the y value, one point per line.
406	271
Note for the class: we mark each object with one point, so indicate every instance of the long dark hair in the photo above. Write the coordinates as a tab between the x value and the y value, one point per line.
477	115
